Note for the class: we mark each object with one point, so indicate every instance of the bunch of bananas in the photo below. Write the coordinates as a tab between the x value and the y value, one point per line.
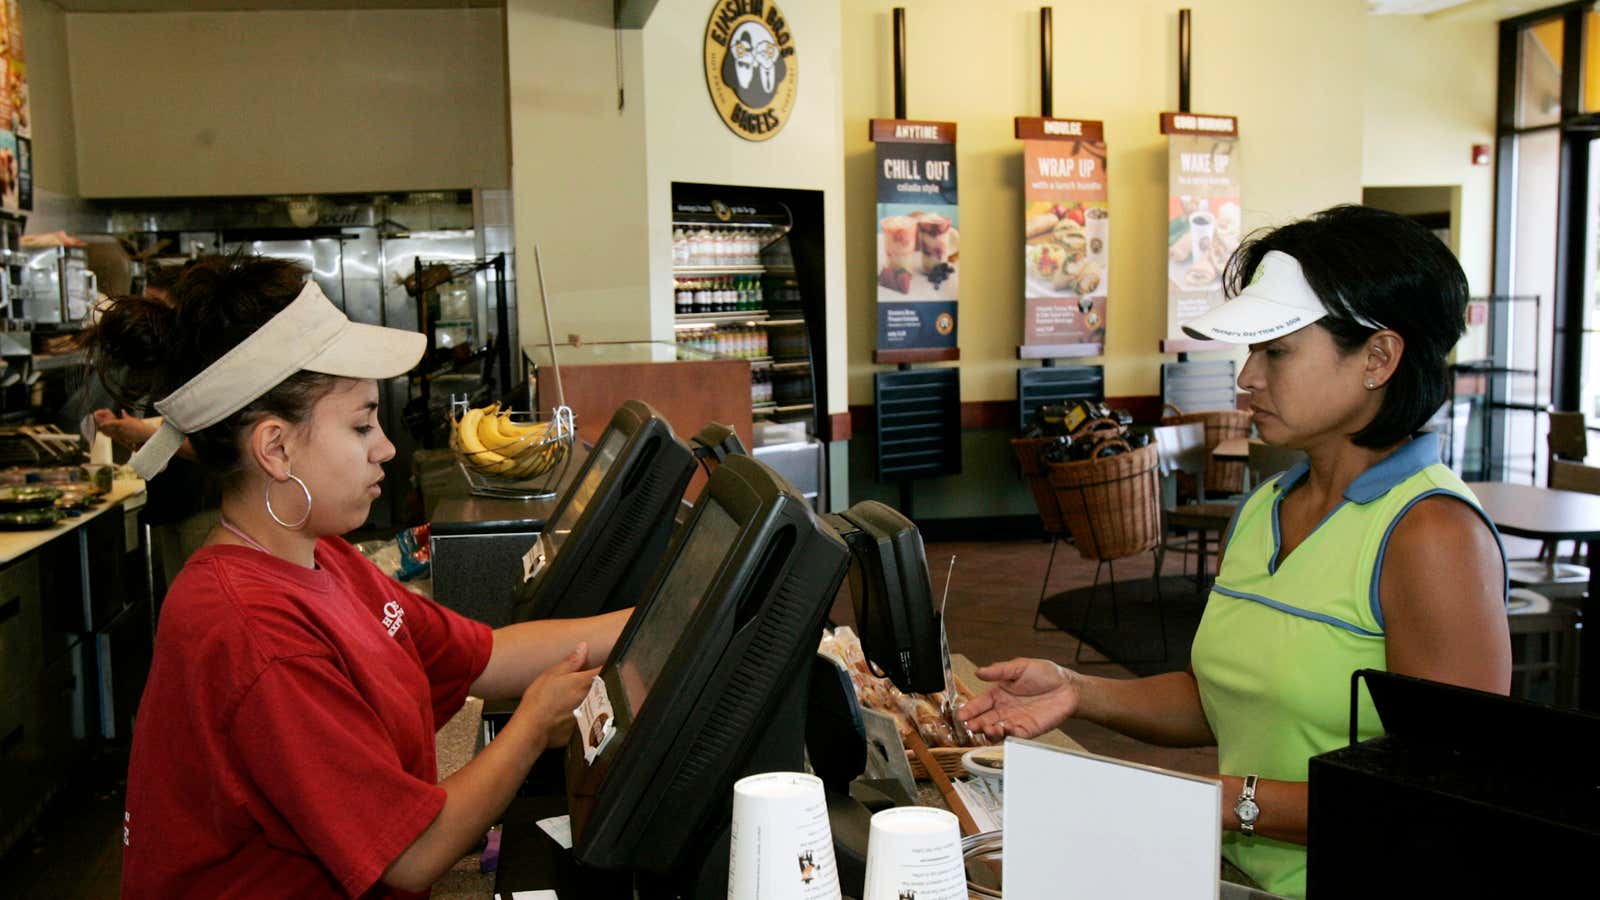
493	444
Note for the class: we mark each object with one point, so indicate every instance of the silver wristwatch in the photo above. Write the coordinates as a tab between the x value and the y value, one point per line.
1246	808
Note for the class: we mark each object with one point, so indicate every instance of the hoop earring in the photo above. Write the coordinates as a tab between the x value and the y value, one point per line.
300	523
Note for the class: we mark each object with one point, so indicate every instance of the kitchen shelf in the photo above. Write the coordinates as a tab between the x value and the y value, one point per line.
777	322
746	317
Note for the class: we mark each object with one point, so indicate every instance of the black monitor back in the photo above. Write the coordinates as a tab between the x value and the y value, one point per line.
893	596
728	699
614	521
1465	794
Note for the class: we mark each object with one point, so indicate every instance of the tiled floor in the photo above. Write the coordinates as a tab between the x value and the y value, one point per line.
75	851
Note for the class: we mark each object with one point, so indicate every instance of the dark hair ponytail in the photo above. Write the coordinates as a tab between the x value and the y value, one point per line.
144	349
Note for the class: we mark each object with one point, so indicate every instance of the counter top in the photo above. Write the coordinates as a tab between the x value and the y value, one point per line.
16	544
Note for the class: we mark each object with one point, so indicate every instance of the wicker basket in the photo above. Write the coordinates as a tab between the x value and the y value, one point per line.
1112	505
1222	476
948	758
1038	478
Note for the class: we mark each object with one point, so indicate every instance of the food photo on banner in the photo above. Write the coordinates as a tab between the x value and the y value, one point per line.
1203	213
918	235
1066	231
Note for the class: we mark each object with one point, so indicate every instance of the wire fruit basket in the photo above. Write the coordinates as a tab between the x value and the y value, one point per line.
511	455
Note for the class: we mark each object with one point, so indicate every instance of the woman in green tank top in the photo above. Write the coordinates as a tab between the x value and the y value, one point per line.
1370	554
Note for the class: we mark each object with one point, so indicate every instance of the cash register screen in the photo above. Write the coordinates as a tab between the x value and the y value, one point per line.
676	600
604	455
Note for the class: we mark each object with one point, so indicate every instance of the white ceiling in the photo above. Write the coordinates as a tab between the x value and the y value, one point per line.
127	6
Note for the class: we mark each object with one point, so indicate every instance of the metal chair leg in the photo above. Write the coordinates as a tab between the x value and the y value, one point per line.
1088	604
1045	587
1161	617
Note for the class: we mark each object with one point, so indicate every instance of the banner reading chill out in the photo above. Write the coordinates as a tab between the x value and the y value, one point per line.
1202	211
919	235
1066	228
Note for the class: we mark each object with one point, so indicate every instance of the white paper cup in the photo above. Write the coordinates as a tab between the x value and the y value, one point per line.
782	846
915	851
1202	226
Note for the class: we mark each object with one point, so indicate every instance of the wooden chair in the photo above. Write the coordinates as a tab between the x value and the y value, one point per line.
1182	449
1267	461
1561	581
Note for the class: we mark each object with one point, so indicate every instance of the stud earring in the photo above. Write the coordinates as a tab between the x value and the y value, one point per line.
1371	385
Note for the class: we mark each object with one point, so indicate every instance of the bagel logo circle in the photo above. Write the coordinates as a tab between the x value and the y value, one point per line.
751	67
945	323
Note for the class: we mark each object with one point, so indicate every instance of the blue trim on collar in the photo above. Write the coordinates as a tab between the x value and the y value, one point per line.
1419	453
1412	457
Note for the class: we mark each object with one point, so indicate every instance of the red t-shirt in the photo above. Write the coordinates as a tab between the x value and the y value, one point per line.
284	746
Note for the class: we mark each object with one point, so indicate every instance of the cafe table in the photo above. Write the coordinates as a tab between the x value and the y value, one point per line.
1545	514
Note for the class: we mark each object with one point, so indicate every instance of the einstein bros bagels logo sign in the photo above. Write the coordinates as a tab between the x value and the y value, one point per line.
751	67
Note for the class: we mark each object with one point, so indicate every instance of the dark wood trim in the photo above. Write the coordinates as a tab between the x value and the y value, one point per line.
916	355
1032	128
1190	345
989	415
1169	124
838	425
883	130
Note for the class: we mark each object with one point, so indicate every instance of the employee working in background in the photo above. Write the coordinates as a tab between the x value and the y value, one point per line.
284	745
180	508
1370	555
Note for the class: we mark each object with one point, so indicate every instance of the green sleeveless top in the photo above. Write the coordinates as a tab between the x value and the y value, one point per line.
1278	640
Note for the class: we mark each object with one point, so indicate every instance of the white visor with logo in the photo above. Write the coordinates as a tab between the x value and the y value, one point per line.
309	334
1277	301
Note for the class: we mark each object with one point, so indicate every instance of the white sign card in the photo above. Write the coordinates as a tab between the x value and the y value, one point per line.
1082	825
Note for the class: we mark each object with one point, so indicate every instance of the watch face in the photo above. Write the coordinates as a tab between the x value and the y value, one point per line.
1247	810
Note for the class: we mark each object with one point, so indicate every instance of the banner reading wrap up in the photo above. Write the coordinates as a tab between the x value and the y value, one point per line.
1066	231
919	236
1202	211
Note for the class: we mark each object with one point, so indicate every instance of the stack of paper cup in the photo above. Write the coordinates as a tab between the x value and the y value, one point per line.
915	851
782	846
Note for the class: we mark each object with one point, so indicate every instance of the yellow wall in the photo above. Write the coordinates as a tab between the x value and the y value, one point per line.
1290	71
198	104
1430	95
578	171
44	39
688	142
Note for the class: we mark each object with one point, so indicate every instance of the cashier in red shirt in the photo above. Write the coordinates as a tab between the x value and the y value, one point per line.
284	746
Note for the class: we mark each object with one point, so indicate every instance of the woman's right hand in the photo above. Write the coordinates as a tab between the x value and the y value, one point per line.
551	698
1029	697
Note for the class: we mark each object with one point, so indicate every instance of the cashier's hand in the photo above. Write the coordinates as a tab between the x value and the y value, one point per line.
1029	697
558	690
125	430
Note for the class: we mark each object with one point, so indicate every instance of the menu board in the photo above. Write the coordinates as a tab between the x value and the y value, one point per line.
16	132
1066	231
1203	227
918	237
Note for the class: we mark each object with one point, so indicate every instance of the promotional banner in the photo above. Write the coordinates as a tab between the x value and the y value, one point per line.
1202	211
16	158
1066	231
918	235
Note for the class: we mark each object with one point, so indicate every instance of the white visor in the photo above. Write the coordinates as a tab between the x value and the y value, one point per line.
309	334
1277	301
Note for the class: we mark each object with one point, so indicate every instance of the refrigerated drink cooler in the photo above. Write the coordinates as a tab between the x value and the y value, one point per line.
748	277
